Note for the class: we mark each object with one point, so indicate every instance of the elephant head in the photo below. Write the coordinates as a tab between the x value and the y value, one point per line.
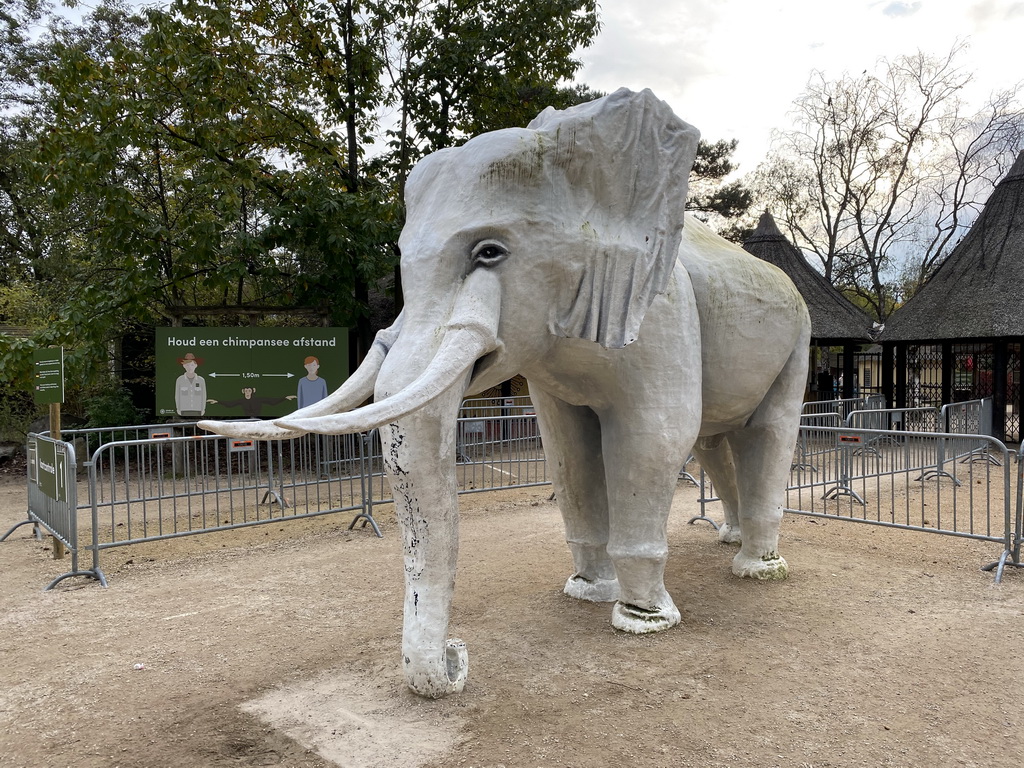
567	229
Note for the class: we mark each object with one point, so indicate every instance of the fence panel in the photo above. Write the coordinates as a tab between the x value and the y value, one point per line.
918	481
842	408
163	481
920	419
53	499
973	417
915	480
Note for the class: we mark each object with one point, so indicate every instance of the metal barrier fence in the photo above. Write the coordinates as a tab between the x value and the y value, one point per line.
165	481
53	499
1012	556
973	417
918	419
922	481
842	408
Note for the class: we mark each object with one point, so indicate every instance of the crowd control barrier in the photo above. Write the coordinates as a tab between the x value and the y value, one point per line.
164	481
155	482
924	481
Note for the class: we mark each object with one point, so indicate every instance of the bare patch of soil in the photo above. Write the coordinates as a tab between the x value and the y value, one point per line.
280	646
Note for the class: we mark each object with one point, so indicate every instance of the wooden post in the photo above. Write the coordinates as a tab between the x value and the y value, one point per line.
58	545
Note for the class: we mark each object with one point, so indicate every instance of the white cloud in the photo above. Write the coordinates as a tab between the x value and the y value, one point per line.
733	67
901	9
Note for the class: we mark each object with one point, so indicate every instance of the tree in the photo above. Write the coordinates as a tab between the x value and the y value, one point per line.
218	156
457	68
882	171
712	198
200	137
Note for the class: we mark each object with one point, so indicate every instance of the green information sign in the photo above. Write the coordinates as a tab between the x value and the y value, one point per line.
262	373
51	473
48	385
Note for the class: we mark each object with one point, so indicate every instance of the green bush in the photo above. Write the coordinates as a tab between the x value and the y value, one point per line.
110	406
17	412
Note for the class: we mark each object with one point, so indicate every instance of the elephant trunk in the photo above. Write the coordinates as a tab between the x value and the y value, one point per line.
419	455
420	388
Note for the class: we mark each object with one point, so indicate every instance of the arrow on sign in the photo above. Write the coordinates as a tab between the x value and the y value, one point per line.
215	375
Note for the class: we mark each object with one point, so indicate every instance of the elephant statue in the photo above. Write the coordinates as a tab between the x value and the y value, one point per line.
562	252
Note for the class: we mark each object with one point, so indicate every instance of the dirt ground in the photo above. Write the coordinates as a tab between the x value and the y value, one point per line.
280	646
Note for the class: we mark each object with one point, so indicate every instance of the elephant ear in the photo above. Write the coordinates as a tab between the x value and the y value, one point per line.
627	159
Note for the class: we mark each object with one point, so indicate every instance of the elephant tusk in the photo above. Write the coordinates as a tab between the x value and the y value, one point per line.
470	333
356	390
452	364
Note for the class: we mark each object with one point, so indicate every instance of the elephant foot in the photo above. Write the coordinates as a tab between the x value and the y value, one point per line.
729	534
642	621
594	590
434	681
768	567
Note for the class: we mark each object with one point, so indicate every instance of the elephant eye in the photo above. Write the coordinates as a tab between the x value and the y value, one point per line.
487	253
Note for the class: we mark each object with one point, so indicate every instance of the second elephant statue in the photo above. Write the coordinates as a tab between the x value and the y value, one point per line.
561	251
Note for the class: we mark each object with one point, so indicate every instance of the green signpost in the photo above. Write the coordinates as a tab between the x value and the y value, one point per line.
246	372
48	385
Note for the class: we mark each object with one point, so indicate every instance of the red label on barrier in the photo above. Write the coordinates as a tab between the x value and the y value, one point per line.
849	438
160	434
241	443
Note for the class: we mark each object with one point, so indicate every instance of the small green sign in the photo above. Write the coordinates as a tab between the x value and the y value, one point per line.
51	469
48	384
246	372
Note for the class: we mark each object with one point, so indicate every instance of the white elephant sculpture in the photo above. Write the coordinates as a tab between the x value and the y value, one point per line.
559	251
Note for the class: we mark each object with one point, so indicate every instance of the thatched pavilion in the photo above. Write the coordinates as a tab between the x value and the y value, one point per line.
960	336
835	322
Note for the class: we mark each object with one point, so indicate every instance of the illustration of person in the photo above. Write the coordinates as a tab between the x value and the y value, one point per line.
252	407
311	387
190	388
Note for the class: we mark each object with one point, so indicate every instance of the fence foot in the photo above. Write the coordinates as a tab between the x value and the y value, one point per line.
842	490
999	565
273	497
689	478
980	454
16	526
366	518
95	573
934	473
703	519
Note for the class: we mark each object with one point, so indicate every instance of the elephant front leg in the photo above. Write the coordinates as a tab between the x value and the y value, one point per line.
642	463
572	445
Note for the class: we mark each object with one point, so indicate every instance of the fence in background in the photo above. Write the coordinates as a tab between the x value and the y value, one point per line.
935	482
164	481
826	410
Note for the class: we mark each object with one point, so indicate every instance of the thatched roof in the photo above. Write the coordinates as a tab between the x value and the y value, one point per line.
978	291
834	320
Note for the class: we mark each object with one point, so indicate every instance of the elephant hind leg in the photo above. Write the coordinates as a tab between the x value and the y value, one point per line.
715	456
763	454
572	444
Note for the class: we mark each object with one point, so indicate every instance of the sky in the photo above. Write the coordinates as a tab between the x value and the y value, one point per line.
732	68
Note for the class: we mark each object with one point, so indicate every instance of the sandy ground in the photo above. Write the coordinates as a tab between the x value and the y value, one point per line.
280	646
